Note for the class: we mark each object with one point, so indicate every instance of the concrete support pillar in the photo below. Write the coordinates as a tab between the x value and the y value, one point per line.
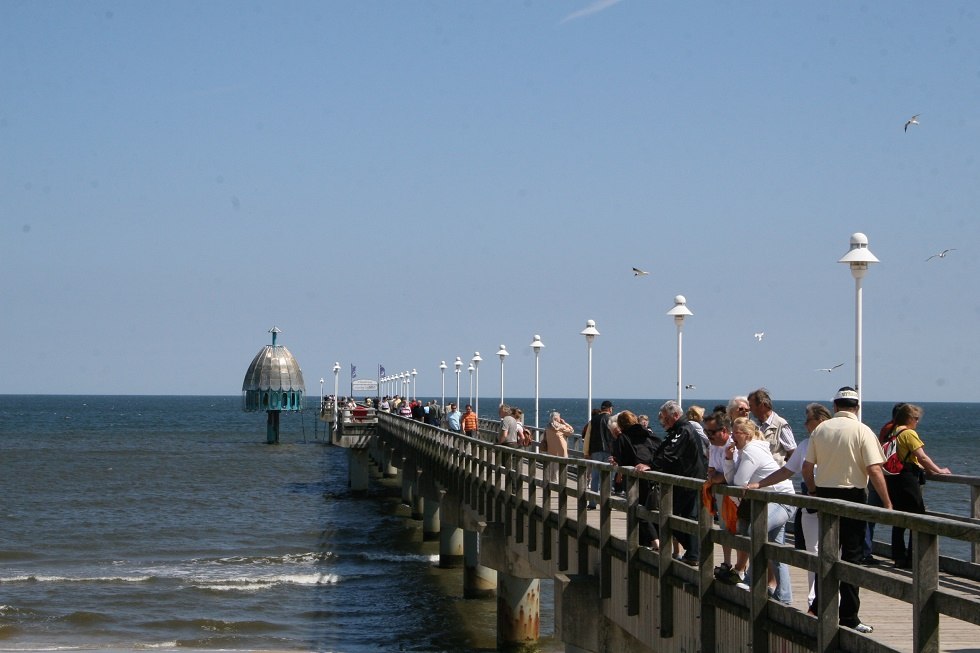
431	520
450	547
478	581
576	606
406	483
418	502
358	470
518	610
272	427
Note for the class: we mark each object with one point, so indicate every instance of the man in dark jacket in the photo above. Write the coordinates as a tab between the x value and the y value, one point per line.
600	443
681	454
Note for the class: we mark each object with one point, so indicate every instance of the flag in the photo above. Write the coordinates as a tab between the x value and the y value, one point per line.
353	371
381	370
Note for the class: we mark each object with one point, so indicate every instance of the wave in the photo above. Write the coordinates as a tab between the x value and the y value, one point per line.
380	556
260	584
32	578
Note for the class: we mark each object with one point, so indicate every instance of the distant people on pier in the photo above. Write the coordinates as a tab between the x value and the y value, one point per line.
510	429
556	442
905	487
453	419
470	424
598	444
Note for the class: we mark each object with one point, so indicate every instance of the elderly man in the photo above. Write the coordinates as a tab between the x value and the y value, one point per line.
778	432
681	454
846	455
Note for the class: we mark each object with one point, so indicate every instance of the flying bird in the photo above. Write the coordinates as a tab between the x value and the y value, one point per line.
942	254
829	369
637	272
759	336
914	120
690	386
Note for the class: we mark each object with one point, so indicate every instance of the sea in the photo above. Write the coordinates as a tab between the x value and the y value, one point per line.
167	523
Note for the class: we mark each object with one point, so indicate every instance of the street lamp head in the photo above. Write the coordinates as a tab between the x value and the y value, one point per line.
442	366
470	368
590	332
414	372
536	344
476	359
336	367
503	353
680	310
321	380
859	256
458	364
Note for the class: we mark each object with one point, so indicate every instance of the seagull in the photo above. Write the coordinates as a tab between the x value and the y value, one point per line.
914	120
637	272
942	254
690	386
829	369
759	336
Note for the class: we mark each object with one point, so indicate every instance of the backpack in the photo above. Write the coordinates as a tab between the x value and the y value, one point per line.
893	464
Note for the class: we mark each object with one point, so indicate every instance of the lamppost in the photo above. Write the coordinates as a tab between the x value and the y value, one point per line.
321	392
858	257
476	366
414	394
442	368
407	384
458	365
536	345
336	388
679	312
471	368
503	354
590	332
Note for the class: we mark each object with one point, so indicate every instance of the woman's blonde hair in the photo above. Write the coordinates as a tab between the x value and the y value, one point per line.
747	426
626	419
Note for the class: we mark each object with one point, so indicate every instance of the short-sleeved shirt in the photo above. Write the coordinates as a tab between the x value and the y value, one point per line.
510	429
843	448
908	442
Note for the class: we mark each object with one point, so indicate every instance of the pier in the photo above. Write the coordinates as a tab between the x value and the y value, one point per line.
494	512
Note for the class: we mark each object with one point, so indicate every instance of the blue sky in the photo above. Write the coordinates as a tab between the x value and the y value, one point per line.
406	182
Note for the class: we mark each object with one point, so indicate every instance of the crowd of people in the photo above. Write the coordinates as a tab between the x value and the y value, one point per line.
747	444
743	443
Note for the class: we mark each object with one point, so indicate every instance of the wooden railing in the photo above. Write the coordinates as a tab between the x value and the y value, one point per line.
506	485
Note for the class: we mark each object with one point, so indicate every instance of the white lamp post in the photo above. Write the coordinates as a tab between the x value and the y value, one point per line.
458	365
442	368
336	388
679	312
503	354
407	384
536	345
858	257
414	394
590	333
321	392
476	396
471	368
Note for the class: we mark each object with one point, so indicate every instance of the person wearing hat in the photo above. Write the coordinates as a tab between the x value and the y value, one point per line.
843	457
599	443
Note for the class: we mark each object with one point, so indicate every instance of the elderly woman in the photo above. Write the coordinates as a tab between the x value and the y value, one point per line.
905	488
755	462
556	439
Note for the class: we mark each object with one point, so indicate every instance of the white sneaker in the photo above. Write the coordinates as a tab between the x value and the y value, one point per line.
864	628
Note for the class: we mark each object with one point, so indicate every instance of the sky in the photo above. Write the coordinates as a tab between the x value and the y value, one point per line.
401	183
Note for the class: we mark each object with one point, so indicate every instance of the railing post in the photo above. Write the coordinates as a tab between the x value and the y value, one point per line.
828	583
925	612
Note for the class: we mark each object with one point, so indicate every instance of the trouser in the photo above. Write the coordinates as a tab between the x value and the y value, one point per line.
686	504
906	495
601	456
852	533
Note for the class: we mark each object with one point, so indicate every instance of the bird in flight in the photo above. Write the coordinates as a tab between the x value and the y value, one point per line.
759	336
829	369
914	120
637	272
942	254
690	386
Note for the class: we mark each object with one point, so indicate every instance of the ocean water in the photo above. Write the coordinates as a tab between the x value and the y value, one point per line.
168	523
